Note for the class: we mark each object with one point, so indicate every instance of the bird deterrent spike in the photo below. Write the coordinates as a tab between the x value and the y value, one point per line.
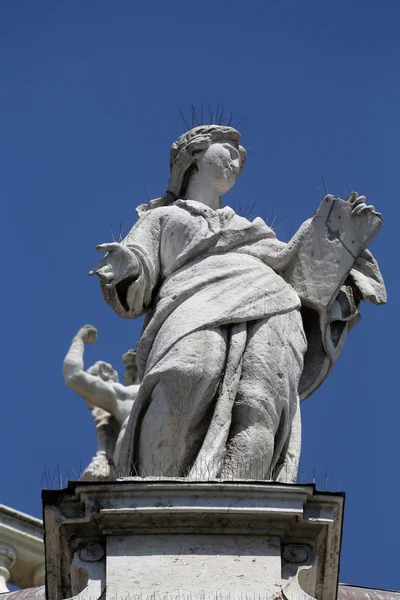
216	113
194	116
214	118
325	186
182	116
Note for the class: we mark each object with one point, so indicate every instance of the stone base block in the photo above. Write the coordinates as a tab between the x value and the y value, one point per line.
167	539
187	564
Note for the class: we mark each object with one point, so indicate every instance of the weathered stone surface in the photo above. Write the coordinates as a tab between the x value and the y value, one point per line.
193	565
223	359
183	536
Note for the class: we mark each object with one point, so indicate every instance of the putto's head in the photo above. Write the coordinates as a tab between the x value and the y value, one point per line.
212	151
131	370
104	371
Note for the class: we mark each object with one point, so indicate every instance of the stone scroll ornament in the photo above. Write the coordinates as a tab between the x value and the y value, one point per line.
88	572
240	327
109	401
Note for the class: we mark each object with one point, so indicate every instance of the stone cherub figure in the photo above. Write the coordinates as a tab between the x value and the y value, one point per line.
239	326
109	401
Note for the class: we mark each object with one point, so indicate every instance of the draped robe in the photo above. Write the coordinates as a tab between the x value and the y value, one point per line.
212	277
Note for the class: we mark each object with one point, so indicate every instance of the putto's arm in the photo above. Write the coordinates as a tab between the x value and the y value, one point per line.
92	388
73	362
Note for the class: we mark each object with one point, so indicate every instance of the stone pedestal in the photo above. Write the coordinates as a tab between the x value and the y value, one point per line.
144	538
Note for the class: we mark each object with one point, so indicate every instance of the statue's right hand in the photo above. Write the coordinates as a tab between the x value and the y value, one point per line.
118	263
88	334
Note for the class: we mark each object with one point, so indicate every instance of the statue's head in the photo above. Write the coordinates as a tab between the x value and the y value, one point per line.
104	371
214	150
211	150
131	370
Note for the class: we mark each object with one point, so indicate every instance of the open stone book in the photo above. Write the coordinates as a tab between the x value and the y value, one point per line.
330	243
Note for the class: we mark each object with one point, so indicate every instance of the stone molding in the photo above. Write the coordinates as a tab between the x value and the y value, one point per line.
21	549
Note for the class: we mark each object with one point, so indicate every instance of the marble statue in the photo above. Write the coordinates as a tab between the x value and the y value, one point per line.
239	326
109	401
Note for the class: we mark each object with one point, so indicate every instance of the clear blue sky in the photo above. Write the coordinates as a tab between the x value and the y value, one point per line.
90	92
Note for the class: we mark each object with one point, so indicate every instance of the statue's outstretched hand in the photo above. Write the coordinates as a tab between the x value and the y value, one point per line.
359	206
117	264
88	334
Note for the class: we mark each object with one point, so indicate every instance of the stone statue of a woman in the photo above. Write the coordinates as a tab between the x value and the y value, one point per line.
229	345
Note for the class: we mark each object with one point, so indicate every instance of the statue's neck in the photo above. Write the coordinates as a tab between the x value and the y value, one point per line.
202	193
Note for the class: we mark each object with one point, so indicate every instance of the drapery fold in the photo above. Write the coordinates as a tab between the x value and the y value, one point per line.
200	269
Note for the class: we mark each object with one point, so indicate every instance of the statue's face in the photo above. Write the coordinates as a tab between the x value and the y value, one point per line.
107	373
220	165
